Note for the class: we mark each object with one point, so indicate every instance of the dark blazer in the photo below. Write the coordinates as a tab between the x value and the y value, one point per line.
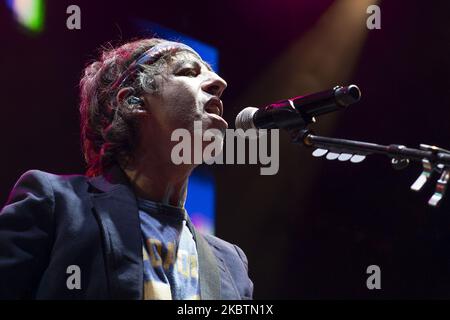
51	222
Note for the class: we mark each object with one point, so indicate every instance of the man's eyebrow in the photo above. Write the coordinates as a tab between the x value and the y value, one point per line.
178	64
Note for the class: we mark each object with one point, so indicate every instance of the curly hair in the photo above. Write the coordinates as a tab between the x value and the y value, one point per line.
109	131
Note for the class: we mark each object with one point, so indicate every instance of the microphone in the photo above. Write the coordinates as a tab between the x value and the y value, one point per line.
299	111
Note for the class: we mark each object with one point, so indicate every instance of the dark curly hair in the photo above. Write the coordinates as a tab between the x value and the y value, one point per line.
109	132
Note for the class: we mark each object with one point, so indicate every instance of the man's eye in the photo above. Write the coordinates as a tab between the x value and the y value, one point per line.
188	72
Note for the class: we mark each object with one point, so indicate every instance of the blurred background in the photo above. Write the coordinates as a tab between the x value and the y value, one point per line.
310	231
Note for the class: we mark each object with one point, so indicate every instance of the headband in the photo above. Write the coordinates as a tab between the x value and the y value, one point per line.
151	56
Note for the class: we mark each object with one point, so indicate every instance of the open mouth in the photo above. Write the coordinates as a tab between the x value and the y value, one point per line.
214	106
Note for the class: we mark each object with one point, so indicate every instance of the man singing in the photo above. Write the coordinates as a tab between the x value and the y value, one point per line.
121	231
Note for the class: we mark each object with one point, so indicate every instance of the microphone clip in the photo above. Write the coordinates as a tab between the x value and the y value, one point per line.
430	167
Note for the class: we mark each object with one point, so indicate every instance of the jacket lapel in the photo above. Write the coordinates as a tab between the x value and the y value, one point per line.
117	213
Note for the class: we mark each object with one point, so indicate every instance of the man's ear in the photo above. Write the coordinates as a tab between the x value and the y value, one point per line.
127	99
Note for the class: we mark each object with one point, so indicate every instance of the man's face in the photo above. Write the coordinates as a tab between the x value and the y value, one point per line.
188	91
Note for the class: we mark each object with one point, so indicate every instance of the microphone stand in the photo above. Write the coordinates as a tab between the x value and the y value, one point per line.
297	113
433	159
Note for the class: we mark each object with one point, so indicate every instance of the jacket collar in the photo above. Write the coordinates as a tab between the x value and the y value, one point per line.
116	209
112	179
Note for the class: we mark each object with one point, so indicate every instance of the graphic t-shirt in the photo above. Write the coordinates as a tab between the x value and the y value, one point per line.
170	253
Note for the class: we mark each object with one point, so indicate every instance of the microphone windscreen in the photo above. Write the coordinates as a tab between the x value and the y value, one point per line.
347	95
244	119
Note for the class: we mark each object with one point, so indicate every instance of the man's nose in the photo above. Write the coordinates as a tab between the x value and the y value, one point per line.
215	85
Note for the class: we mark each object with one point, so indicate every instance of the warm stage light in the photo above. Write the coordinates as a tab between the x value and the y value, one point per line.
321	58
